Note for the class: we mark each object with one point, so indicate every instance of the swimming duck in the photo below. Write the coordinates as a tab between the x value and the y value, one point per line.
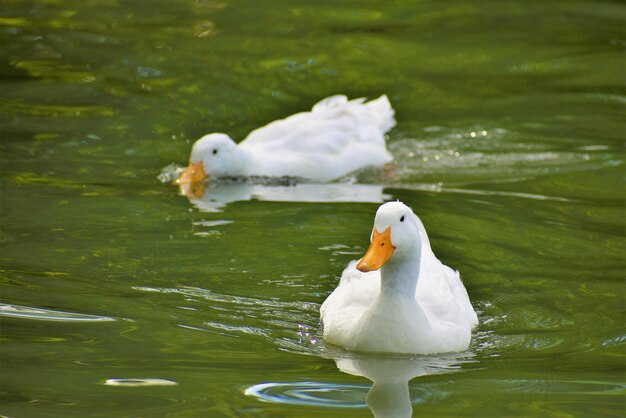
399	298
337	137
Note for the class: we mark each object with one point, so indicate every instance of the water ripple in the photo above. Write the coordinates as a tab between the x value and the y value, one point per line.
548	386
28	312
311	394
139	382
487	155
229	315
440	188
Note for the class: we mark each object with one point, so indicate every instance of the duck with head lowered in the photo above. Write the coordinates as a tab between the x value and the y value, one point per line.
337	137
399	298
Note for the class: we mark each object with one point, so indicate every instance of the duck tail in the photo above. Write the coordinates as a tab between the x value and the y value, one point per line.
382	112
330	102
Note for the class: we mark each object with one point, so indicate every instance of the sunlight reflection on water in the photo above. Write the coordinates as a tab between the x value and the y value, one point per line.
311	394
136	382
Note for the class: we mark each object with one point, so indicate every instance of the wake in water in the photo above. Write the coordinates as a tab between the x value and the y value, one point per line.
441	160
170	173
487	155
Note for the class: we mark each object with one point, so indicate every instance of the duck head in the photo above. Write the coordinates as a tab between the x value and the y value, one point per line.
395	236
213	155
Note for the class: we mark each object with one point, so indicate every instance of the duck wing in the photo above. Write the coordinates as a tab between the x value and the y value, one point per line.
345	305
331	127
440	290
442	294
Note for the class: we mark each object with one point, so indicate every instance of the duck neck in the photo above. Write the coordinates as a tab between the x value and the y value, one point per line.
239	164
399	279
246	159
251	163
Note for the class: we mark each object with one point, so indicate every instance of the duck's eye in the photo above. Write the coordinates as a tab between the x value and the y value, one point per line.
382	245
402	218
215	151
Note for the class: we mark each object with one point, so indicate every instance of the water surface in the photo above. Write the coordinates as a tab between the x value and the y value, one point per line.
121	298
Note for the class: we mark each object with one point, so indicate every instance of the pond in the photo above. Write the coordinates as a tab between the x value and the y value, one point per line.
120	297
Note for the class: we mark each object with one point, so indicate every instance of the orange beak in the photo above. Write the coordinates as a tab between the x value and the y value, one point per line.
379	251
192	174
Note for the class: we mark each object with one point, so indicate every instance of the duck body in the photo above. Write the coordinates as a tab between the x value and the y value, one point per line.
413	304
337	137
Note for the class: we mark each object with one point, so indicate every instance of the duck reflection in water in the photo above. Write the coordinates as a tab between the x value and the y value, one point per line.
389	395
212	196
194	190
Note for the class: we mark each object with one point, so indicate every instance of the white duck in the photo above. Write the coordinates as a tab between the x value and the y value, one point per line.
399	298
335	138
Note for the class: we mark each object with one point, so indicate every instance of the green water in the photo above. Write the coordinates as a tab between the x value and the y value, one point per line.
122	298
